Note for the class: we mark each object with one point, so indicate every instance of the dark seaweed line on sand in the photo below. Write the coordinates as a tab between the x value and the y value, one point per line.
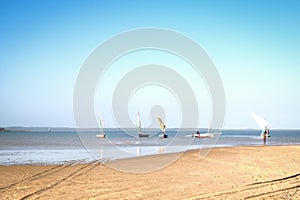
275	180
276	191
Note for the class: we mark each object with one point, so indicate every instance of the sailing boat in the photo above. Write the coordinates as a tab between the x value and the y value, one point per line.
102	134
262	123
202	135
139	127
162	127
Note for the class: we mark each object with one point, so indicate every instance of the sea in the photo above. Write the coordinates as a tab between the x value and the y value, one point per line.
59	146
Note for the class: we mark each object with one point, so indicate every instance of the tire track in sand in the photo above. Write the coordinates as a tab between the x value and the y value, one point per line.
73	174
45	180
40	174
257	190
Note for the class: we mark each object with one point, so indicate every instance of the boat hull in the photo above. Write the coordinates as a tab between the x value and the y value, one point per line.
163	136
100	135
143	135
202	135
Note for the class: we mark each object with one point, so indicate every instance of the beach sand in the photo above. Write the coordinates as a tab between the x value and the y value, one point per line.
226	173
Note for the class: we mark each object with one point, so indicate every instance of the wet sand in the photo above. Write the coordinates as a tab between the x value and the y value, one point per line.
226	173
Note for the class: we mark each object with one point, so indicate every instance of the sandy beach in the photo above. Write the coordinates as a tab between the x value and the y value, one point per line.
271	172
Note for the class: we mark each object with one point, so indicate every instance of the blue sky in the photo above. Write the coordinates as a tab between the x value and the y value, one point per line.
255	46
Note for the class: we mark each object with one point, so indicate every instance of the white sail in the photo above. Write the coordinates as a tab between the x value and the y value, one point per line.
102	135
101	120
262	123
139	126
161	124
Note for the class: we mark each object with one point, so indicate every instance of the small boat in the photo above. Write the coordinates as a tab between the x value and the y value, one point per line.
163	136
139	127
102	134
202	135
162	127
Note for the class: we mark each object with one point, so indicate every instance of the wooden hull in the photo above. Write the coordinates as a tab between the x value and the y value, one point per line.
163	136
202	135
100	135
143	135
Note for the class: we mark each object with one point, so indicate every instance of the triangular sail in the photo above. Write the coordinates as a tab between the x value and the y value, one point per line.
139	126
101	122
262	123
161	124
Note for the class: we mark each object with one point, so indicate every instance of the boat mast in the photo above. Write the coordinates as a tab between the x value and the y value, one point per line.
101	123
139	126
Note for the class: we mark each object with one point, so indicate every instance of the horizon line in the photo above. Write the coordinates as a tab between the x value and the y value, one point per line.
65	127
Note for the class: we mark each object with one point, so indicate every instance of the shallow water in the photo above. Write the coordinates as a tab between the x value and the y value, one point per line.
58	147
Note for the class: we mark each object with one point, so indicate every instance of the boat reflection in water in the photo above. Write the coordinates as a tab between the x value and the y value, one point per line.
129	151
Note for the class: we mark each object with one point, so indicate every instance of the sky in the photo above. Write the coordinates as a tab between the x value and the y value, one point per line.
254	45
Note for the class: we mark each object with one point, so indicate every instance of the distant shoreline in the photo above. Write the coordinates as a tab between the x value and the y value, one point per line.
68	129
4	130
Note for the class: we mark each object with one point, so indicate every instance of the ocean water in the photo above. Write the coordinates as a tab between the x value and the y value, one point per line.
57	147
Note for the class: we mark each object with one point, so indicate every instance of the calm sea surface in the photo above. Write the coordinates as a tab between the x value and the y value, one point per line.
56	147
